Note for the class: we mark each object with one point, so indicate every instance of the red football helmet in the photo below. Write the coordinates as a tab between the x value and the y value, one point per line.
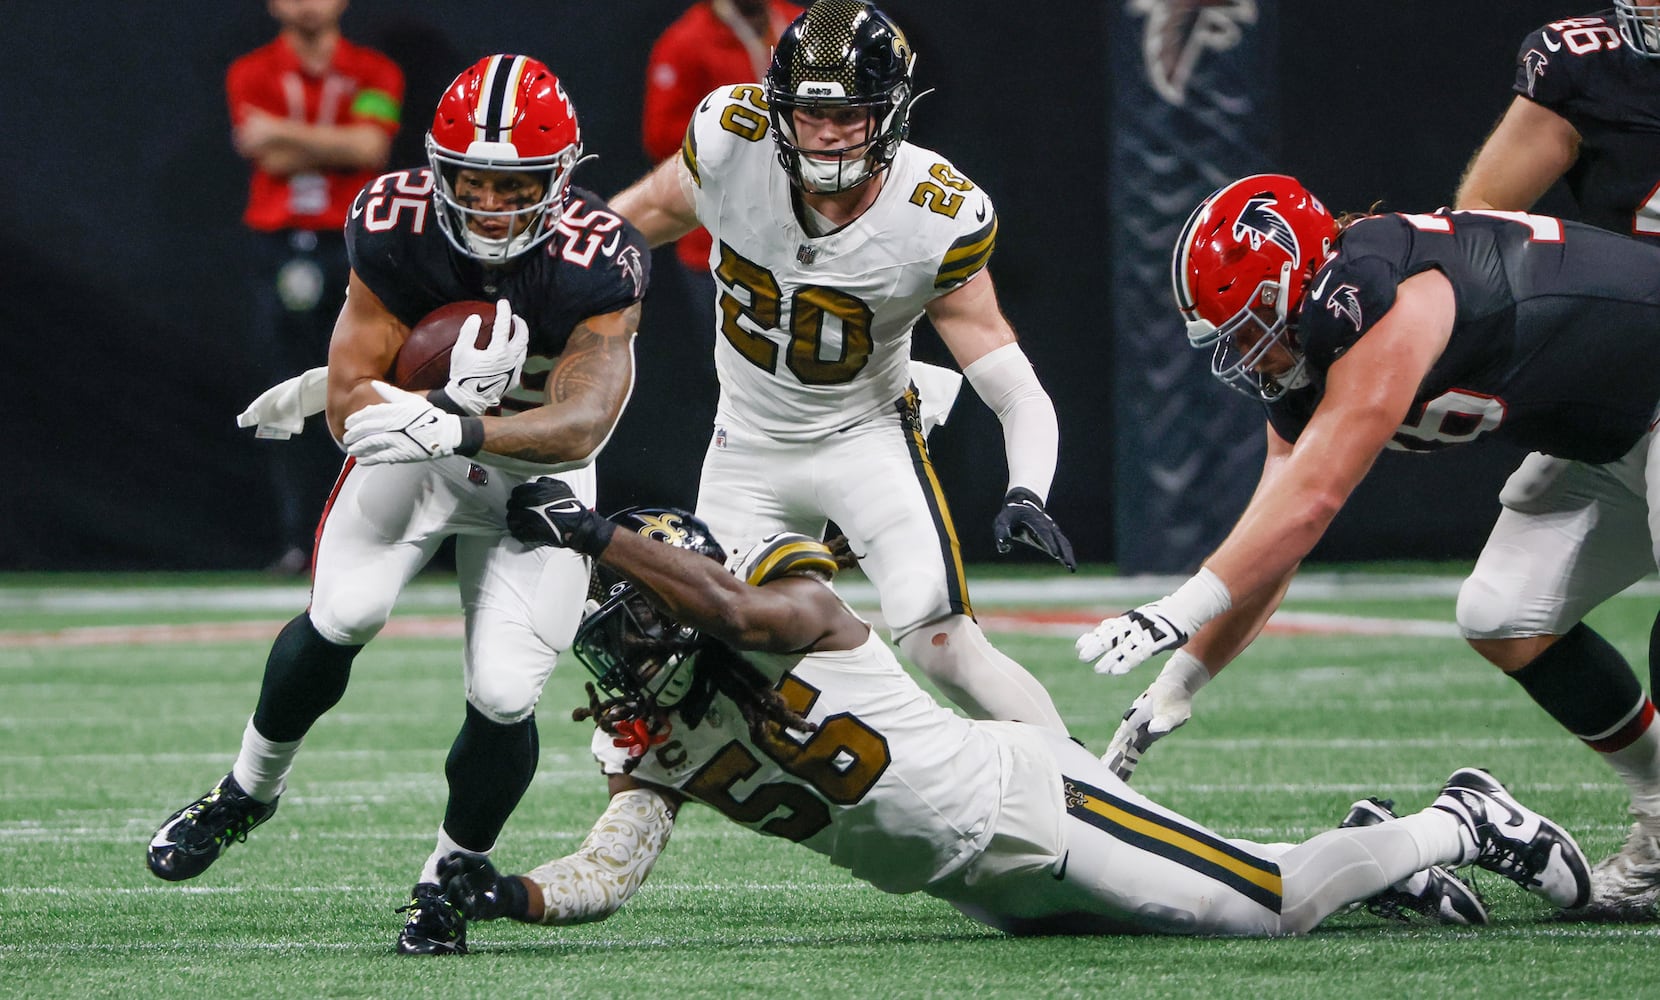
1241	265
503	113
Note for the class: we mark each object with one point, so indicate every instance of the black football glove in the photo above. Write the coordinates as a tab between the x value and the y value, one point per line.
1023	519
472	885
546	512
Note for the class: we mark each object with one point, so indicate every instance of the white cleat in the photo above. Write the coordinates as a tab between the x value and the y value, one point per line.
1504	836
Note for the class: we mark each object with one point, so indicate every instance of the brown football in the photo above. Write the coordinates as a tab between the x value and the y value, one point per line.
423	362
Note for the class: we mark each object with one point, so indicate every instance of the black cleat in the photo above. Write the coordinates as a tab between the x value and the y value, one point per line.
1435	892
434	926
196	835
1504	836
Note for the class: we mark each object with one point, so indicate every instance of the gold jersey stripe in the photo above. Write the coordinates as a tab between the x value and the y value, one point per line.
789	556
688	155
967	256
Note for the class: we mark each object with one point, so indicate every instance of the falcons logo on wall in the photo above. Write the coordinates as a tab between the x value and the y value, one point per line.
1178	32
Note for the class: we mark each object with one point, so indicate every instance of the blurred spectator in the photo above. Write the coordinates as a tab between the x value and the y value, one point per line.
715	42
314	114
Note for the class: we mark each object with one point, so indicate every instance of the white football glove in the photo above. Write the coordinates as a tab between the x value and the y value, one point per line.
1157	712
1119	644
479	377
405	428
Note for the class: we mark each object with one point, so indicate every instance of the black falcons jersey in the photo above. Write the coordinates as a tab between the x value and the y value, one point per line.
595	263
1555	344
1581	69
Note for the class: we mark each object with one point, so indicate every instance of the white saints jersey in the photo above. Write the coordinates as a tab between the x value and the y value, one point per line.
891	786
813	333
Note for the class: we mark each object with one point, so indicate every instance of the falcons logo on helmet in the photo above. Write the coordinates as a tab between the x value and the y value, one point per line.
1534	64
1259	223
1178	32
1345	304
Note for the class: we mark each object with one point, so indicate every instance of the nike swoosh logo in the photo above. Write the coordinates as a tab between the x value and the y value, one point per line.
705	107
1320	289
1060	873
610	247
980	214
1553	46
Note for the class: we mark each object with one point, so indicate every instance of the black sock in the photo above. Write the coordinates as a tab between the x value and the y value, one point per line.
1654	657
1583	682
489	767
305	675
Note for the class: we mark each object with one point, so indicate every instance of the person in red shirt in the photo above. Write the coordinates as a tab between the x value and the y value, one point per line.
714	43
314	115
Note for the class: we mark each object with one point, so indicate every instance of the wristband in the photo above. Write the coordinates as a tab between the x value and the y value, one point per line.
1203	597
1184	671
442	400
515	898
472	436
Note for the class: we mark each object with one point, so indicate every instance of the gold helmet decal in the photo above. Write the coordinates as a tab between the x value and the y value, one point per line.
667	527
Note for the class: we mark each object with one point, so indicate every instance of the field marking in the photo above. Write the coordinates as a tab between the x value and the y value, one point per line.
1063	624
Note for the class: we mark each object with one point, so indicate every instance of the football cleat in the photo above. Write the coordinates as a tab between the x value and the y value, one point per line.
1504	836
1435	892
434	926
196	835
1626	884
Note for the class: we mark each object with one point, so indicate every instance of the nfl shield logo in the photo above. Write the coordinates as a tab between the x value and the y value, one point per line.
720	437
805	255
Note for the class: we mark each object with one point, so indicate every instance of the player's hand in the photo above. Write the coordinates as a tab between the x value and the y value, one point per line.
479	377
1156	712
546	512
472	885
1119	644
1023	519
405	428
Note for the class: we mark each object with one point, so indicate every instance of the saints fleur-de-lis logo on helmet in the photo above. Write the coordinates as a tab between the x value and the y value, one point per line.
1259	223
667	527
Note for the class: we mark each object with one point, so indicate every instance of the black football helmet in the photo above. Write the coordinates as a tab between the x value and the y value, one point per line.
840	54
633	650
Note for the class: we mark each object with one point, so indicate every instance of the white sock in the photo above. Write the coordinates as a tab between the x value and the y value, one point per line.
446	846
1439	836
1638	765
976	676
262	765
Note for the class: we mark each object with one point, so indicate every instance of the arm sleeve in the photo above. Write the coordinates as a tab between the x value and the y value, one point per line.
612	862
1031	434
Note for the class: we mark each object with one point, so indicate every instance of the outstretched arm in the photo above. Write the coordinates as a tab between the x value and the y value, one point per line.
587	885
660	203
1368	393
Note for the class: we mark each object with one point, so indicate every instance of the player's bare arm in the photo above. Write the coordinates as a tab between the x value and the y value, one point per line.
969	321
1368	393
586	392
786	615
659	204
366	339
1528	150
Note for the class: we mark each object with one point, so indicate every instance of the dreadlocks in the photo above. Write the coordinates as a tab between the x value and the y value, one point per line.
639	722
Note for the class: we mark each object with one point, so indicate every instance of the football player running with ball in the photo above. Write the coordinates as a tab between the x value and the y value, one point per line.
832	237
492	217
759	693
1419	332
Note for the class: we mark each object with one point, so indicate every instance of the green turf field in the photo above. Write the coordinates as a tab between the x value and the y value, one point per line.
110	722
